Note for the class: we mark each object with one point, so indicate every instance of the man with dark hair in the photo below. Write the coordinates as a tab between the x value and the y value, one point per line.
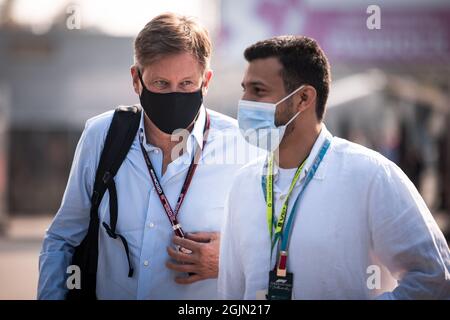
320	217
303	62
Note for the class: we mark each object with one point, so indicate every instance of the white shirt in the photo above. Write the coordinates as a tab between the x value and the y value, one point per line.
141	217
359	213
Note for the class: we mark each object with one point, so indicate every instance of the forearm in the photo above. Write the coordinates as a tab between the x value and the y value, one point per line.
54	259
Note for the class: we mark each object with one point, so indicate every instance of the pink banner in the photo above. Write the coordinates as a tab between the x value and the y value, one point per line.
404	37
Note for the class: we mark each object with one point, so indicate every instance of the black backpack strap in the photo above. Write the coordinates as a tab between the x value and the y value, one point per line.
119	139
121	133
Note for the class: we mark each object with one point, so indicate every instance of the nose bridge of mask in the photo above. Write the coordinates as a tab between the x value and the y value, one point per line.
256	105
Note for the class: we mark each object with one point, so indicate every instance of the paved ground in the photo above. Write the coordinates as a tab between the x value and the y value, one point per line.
19	254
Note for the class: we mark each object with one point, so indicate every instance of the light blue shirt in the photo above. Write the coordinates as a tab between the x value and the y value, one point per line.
141	217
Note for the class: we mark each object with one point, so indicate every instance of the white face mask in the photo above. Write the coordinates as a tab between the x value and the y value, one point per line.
257	122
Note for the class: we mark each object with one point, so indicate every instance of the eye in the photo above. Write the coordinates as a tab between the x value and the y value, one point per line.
258	91
187	83
160	83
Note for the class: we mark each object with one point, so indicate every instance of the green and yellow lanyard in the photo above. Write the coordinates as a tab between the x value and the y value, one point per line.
283	231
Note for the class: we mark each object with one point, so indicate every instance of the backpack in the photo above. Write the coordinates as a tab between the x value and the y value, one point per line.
121	133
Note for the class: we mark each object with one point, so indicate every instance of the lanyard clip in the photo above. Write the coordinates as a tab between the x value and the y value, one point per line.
141	136
281	269
175	227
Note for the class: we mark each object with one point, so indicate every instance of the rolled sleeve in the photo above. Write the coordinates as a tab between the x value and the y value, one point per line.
406	238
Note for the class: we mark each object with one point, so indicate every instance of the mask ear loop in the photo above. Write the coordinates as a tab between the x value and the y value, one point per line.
290	94
293	118
287	97
140	78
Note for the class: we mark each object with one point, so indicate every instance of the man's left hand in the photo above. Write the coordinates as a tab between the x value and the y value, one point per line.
202	263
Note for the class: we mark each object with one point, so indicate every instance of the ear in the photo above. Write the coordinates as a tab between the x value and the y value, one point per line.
306	98
135	79
206	79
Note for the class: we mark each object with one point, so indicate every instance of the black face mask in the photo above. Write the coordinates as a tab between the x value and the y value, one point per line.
170	111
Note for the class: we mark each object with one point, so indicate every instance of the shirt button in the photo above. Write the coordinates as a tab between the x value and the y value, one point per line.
146	263
156	151
151	225
283	196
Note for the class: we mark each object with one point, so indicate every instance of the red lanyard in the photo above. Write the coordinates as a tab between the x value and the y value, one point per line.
172	214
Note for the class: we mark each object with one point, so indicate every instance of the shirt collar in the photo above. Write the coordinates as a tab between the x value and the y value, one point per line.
320	174
195	135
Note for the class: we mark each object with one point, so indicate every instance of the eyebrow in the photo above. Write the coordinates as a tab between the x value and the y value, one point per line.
254	83
191	78
167	80
158	78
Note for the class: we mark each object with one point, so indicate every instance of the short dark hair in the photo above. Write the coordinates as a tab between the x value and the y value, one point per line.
303	62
